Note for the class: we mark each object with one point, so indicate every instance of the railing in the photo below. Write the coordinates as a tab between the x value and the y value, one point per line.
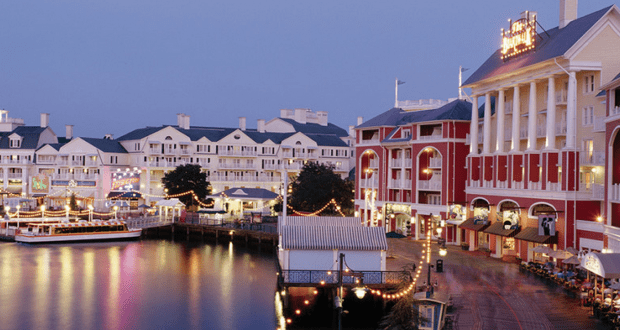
614	111
408	162
435	162
430	137
14	175
560	128
541	131
523	133
396	162
245	178
517	185
371	141
598	191
155	151
534	185
554	186
429	184
561	96
330	277
596	158
237	166
147	222
487	183
370	183
502	184
599	124
374	163
475	184
614	193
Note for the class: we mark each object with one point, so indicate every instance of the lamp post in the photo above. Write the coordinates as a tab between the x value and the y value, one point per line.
43	212
90	212
17	214
67	208
115	209
340	289
6	218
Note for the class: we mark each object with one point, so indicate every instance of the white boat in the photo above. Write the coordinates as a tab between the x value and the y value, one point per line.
76	231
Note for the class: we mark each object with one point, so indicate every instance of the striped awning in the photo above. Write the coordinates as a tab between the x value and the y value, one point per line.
497	228
530	234
320	221
333	237
85	224
472	225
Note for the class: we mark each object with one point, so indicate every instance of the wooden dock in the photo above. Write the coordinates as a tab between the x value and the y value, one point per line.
191	231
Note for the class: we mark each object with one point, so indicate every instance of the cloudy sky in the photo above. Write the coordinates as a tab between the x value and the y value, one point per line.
115	65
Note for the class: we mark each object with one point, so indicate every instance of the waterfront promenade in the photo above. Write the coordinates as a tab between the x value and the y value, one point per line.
492	294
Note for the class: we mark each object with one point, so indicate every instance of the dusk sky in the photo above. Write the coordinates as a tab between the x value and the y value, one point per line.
116	65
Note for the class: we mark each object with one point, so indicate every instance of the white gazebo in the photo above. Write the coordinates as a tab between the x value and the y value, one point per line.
605	265
169	206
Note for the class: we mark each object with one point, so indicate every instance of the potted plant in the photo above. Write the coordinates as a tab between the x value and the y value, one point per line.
465	246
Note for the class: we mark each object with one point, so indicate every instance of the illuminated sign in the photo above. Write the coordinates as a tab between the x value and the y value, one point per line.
126	180
456	212
520	37
546	224
40	184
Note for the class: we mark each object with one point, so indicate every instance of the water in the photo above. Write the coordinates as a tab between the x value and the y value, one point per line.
148	284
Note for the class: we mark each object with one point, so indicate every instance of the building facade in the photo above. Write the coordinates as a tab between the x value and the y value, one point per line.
536	167
410	168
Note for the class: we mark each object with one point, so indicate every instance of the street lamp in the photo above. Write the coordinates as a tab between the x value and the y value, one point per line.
90	212
67	208
43	212
6	218
17	214
115	209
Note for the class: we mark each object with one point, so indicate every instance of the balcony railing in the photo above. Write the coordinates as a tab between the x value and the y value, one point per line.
14	175
435	162
561	96
523	133
370	141
534	185
596	158
240	166
598	191
614	111
396	162
244	178
554	186
614	193
331	277
560	128
487	184
502	184
517	185
374	163
429	184
430	137
370	183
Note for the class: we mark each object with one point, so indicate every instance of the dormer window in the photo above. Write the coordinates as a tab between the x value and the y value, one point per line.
15	141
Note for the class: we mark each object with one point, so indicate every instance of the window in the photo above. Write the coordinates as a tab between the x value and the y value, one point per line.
588	148
589	84
588	116
406	133
15	143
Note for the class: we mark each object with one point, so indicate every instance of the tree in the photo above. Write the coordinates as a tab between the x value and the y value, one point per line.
73	203
316	185
403	315
185	178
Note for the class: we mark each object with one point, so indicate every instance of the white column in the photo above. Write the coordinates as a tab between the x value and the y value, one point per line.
551	114
486	142
571	111
473	130
499	105
531	121
516	117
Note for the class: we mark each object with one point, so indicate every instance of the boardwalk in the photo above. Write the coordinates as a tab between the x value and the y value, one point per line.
491	294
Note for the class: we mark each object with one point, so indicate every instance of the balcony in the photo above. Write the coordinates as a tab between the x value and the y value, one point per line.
396	162
374	163
16	161
435	162
487	184
614	193
517	185
399	184
154	151
541	131
222	151
432	184
370	183
502	184
242	178
614	111
430	137
270	166
239	166
560	128
475	184
370	141
14	175
561	96
554	186
596	158
185	151
534	185
598	191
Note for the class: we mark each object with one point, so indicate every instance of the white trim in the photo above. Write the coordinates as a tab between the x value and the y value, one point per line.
588	243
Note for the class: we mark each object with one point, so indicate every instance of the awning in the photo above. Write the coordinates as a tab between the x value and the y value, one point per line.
172	202
124	194
530	234
471	225
38	195
497	228
605	265
203	211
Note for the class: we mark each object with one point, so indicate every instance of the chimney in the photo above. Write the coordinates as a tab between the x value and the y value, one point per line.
352	131
186	121
242	123
360	120
300	116
45	119
180	119
69	132
285	113
108	137
322	116
568	12
260	125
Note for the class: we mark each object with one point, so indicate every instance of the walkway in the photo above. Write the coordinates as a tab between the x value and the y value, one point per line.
492	294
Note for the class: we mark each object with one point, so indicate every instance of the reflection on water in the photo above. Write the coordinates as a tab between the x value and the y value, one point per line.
148	284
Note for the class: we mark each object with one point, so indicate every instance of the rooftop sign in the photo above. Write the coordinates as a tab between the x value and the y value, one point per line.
520	37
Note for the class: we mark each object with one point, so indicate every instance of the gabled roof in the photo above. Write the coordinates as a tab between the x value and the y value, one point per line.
247	193
455	110
327	140
106	145
30	137
53	145
333	237
310	128
557	43
140	133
